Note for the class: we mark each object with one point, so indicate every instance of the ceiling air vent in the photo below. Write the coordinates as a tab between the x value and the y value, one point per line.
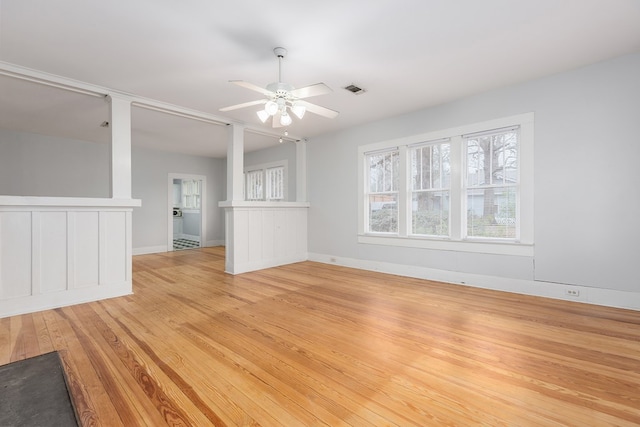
355	89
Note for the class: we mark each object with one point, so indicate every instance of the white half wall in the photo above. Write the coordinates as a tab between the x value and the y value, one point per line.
264	234
62	251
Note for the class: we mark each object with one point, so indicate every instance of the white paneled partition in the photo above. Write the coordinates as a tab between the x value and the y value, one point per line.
264	234
61	251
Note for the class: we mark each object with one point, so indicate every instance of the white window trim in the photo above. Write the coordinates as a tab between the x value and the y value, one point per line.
522	247
264	166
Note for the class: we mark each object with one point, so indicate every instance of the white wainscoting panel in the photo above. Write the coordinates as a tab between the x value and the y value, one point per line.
113	225
85	246
50	232
61	251
262	235
15	254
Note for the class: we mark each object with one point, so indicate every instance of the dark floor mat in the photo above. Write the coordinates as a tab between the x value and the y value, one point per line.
33	392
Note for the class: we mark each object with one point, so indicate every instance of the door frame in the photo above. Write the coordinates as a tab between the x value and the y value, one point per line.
203	207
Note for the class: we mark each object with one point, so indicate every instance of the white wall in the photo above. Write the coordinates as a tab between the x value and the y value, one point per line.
587	146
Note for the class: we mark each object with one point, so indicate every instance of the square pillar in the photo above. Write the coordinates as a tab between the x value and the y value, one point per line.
120	155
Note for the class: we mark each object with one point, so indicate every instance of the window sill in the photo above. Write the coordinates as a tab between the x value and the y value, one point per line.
262	204
485	247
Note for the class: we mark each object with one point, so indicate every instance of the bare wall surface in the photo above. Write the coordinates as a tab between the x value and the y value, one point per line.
586	175
38	165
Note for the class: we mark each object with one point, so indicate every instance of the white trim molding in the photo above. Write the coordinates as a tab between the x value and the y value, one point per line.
583	294
522	245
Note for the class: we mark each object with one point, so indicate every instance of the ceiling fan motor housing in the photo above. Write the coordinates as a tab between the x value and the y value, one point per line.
280	88
280	52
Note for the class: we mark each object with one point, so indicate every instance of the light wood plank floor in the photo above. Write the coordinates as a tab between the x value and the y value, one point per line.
317	345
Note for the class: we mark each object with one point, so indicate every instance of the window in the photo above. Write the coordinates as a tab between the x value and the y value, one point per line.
275	183
191	193
254	185
266	182
491	186
469	188
430	181
382	191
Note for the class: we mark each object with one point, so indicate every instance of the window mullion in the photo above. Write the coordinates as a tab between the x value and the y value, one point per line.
457	209
404	189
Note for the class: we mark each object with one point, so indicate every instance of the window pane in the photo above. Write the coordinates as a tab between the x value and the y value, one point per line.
430	213
492	159
383	171
191	190
254	181
498	221
430	167
275	183
383	213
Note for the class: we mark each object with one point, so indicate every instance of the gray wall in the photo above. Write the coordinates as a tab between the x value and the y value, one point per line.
150	173
284	151
587	204
37	165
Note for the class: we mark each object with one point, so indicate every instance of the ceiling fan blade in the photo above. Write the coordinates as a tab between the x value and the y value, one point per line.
316	109
245	104
311	90
251	86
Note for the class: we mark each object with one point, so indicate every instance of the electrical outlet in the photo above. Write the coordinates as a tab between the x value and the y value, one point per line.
572	292
332	259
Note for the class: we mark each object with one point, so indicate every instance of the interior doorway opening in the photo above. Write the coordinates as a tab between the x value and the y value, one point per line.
186	197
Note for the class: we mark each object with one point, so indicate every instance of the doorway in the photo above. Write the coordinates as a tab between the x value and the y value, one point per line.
186	196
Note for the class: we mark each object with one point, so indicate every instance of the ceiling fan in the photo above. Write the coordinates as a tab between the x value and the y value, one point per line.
283	99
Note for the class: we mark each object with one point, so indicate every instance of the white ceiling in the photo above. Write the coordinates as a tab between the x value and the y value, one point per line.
407	55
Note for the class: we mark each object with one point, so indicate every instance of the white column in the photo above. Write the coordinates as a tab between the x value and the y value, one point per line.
235	162
120	124
235	169
301	171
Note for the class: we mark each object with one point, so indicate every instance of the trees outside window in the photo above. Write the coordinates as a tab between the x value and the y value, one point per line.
492	184
473	183
383	177
430	180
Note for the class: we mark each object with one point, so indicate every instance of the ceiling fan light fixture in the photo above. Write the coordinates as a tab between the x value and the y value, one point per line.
282	99
285	119
298	110
263	115
271	108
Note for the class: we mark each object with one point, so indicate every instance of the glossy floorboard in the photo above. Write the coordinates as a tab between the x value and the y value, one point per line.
318	345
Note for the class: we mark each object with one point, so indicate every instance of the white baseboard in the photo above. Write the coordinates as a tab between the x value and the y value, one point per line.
163	248
585	294
149	250
246	267
51	300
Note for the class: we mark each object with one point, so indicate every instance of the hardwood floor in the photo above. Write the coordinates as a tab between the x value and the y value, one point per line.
311	344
